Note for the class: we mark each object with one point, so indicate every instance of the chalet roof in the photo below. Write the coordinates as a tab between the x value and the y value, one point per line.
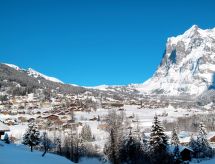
3	127
181	148
52	115
210	135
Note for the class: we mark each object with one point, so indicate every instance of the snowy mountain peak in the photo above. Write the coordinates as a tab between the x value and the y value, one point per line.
192	31
187	67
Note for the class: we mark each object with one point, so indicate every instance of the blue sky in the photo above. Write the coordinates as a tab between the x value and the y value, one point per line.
95	42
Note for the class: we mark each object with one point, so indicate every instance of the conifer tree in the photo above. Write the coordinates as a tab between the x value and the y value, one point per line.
31	136
6	138
132	150
204	149
158	143
86	133
175	143
193	145
174	139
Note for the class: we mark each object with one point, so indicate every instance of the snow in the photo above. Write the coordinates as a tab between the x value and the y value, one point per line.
22	154
100	87
12	66
16	154
187	75
181	148
90	161
145	117
206	161
3	127
36	74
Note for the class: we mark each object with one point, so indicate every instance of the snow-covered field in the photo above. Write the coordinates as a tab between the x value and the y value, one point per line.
144	117
209	161
20	154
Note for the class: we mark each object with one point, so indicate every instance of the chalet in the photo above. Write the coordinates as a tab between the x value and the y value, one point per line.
3	128
64	117
71	125
93	119
131	116
66	125
22	119
185	152
211	137
52	117
10	121
70	121
31	119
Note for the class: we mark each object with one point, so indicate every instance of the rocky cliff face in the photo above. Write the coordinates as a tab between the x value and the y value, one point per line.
187	67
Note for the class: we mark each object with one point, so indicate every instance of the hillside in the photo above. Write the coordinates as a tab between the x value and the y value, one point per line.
13	76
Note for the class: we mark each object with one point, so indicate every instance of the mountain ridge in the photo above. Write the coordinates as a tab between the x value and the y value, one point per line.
187	67
34	73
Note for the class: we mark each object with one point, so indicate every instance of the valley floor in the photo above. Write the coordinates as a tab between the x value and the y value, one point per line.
144	117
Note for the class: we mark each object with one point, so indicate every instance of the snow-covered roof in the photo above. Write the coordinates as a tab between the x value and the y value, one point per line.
181	148
210	135
3	127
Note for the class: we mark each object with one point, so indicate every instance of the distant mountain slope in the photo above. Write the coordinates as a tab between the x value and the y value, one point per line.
33	73
11	76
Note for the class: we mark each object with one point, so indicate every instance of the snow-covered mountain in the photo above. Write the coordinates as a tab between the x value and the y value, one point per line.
187	67
31	72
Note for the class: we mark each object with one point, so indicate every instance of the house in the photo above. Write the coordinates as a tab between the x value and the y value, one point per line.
52	117
185	152
93	119
31	119
211	137
3	128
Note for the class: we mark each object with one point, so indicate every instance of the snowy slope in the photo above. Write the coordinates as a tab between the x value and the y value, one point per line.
19	154
207	161
187	67
33	73
12	66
